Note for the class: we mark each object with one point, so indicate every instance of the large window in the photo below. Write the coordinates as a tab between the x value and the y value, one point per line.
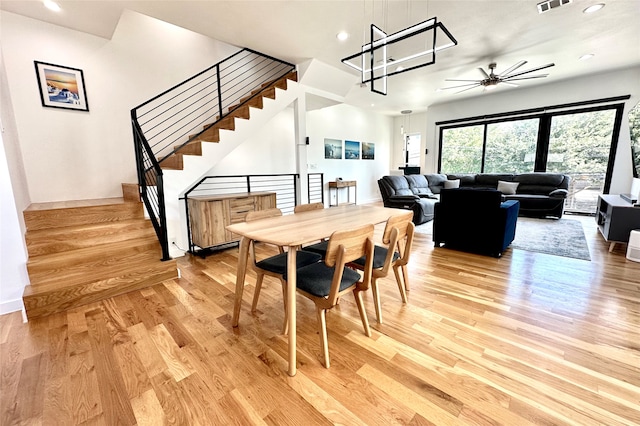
511	146
580	143
461	150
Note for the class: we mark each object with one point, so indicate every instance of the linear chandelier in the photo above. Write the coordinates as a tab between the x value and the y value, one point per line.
404	50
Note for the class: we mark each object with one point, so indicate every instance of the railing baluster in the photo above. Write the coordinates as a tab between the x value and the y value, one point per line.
172	116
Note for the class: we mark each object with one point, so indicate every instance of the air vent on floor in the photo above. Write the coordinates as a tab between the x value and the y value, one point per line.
546	6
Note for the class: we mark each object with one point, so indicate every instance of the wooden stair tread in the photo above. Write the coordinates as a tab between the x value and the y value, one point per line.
54	240
90	255
54	205
72	214
89	250
41	301
94	270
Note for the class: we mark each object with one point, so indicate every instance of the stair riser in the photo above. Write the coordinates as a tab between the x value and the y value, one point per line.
42	304
49	241
91	267
47	219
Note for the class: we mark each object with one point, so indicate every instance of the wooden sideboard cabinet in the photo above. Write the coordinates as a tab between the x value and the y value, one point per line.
616	219
209	215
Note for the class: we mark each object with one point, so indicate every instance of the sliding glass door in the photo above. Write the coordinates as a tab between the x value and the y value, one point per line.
580	143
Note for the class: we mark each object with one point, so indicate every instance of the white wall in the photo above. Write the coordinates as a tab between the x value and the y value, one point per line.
273	151
13	257
144	57
598	86
348	123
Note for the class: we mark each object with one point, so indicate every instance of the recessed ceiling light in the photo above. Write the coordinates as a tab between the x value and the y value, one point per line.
342	35
587	56
51	5
593	8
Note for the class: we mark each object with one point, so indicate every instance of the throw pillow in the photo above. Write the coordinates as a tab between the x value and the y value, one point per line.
451	184
507	188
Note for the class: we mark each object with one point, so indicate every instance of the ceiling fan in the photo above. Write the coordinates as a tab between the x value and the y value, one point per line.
491	79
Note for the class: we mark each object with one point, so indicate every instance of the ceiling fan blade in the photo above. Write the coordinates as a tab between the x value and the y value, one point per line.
524	78
509	84
468	88
484	73
528	71
461	85
451	79
513	68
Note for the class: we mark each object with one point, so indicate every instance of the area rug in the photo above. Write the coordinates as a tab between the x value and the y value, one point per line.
563	237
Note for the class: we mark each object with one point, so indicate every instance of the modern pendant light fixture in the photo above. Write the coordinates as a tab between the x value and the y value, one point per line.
385	54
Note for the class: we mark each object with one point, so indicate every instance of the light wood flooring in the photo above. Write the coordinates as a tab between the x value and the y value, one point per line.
525	339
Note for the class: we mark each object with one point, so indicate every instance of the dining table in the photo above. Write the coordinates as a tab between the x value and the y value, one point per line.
292	231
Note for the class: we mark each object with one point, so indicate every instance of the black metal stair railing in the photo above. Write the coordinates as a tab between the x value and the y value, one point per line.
172	119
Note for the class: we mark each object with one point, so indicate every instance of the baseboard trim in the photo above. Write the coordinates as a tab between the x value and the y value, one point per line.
11	306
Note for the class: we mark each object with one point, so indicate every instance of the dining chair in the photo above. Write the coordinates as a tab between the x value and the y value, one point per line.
300	208
398	238
274	266
325	282
320	247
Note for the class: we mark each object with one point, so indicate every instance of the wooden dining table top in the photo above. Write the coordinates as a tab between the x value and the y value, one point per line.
300	228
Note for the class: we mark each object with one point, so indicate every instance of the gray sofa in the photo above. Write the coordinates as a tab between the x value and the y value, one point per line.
540	194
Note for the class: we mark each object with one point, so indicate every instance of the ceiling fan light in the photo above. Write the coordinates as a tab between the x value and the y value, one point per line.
593	8
51	5
491	86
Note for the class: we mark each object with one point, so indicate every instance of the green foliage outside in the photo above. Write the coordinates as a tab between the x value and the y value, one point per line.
634	127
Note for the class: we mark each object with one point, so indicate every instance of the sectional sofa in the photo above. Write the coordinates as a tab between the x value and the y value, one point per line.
540	194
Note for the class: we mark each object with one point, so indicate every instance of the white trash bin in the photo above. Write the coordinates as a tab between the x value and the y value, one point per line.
633	248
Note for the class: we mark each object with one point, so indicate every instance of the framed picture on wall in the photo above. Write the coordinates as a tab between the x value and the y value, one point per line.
351	150
368	151
333	149
61	87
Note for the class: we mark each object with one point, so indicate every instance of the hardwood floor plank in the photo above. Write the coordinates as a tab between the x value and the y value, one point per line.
527	339
115	403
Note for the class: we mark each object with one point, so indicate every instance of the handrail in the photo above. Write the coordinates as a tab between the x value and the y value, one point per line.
170	120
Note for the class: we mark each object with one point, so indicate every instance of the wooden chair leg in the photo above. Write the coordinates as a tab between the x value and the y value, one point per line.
363	313
256	293
376	300
405	275
285	326
402	284
322	328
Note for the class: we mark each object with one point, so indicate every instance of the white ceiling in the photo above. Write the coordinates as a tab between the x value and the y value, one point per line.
487	31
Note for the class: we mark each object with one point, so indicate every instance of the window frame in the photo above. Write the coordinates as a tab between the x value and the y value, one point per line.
544	116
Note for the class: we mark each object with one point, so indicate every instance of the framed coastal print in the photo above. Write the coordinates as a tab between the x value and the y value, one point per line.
61	87
333	149
351	150
368	150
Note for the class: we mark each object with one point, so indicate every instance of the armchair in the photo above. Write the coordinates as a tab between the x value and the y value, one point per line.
475	220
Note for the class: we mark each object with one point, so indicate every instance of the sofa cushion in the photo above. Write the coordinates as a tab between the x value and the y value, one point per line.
436	182
419	184
542	179
466	179
559	193
491	179
452	183
507	188
398	184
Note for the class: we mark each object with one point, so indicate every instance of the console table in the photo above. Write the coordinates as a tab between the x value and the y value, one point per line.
209	215
616	219
343	184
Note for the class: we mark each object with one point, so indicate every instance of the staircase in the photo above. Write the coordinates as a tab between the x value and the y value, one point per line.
86	251
211	133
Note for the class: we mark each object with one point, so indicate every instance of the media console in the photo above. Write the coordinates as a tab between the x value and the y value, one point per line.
616	219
